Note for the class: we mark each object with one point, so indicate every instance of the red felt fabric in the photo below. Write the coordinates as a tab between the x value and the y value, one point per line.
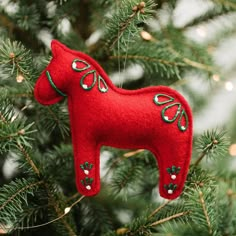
118	118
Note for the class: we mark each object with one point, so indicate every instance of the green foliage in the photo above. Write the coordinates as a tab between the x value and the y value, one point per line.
55	117
101	220
122	25
213	143
14	129
57	165
132	175
153	58
16	63
15	57
14	200
27	17
126	175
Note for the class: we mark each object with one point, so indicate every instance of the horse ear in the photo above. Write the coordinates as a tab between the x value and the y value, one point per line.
57	48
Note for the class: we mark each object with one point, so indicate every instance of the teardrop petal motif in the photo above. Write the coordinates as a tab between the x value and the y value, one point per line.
183	115
165	117
85	86
101	81
156	99
75	68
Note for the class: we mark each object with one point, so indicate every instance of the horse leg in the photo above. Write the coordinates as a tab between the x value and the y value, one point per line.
173	160
87	168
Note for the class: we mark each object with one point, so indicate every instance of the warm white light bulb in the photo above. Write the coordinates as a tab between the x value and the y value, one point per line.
216	77
145	35
229	86
67	210
232	149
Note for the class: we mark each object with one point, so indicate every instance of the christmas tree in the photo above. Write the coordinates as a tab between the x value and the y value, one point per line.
186	45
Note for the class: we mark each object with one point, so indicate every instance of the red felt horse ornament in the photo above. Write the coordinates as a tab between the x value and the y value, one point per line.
155	118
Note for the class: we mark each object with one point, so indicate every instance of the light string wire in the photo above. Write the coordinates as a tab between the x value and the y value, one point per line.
66	211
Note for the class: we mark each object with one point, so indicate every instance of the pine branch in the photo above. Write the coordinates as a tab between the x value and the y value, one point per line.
201	197
169	218
125	176
57	165
14	200
17	60
129	14
27	17
144	225
59	212
146	59
52	196
212	144
17	136
153	58
159	57
56	117
205	211
7	121
205	150
228	216
190	62
96	214
139	8
61	121
159	208
199	65
191	54
28	159
198	177
126	155
14	129
19	192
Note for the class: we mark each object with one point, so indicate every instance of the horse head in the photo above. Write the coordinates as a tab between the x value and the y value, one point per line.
52	83
67	69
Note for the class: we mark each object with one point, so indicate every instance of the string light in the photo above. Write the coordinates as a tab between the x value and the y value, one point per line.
66	211
2	231
145	35
19	78
216	77
232	149
229	86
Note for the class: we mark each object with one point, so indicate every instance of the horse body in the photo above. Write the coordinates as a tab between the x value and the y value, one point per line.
155	118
